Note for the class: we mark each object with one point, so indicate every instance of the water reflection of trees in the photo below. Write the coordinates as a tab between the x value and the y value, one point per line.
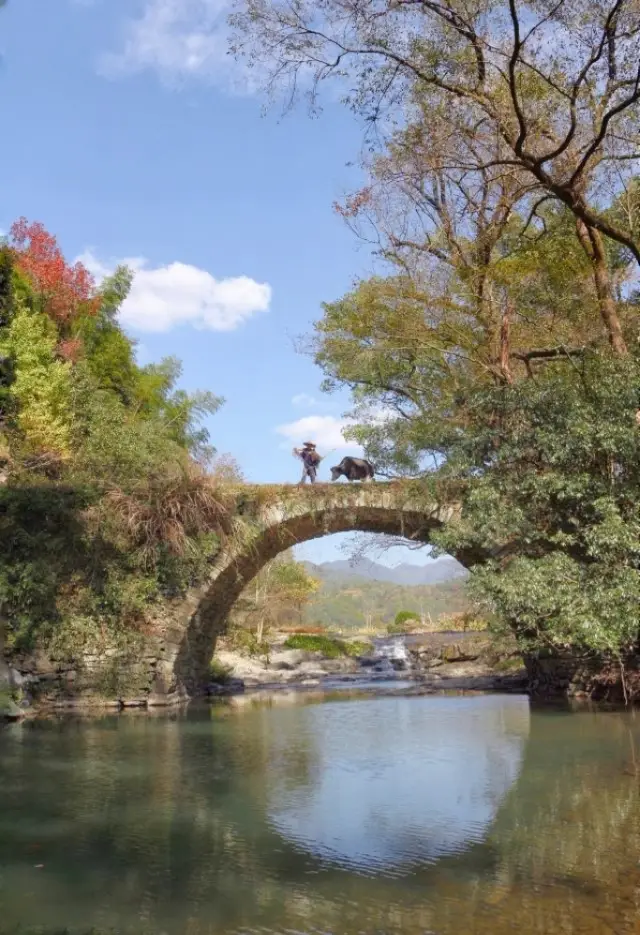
160	826
135	820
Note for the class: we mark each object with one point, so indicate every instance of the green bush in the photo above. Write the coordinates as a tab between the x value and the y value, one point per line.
330	647
357	648
220	673
401	621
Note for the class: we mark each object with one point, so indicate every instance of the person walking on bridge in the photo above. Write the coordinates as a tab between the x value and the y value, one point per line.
310	460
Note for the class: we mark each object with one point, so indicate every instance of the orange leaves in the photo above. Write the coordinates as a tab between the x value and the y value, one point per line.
355	203
64	290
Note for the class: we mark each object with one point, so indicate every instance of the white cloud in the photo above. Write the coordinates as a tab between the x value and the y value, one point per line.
325	431
304	401
165	297
178	39
99	269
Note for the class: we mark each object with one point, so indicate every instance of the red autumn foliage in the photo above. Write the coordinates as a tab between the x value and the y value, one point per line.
71	349
64	289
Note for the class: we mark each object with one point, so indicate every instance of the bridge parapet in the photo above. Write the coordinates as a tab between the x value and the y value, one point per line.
269	504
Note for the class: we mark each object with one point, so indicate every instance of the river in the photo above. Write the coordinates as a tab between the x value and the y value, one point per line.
469	815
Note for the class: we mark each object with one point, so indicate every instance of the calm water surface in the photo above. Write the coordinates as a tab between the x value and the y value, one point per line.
434	815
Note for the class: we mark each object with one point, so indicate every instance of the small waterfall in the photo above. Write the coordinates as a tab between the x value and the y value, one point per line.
391	653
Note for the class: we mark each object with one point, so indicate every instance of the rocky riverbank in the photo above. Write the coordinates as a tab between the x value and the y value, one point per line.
412	664
455	661
10	682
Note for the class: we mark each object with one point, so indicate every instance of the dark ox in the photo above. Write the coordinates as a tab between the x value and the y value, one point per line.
353	469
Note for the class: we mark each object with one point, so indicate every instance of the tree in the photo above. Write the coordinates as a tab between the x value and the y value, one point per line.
485	287
557	85
180	412
6	286
443	205
404	616
500	353
277	595
62	290
108	350
554	505
40	387
413	348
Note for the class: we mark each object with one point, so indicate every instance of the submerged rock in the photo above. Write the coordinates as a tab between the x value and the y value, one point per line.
9	710
220	689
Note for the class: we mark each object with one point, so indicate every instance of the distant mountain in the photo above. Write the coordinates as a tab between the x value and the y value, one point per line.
405	575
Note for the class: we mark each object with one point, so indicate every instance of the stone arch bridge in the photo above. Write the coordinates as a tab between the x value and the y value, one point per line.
269	520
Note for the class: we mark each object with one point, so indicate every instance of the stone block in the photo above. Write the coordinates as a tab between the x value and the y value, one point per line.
9	710
164	701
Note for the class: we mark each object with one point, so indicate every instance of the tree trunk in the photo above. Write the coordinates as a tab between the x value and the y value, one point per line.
593	246
505	343
4	668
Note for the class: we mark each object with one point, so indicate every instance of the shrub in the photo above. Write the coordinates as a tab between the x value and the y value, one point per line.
463	623
220	673
357	648
330	647
404	620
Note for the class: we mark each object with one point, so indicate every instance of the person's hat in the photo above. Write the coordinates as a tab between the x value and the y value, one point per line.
309	444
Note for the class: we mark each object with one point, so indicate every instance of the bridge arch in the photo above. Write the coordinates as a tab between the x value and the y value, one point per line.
266	526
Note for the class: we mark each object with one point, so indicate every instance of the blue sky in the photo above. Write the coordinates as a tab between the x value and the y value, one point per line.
131	135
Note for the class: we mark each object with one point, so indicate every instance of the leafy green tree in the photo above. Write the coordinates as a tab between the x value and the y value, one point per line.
403	620
41	385
507	316
108	351
404	616
414	351
181	413
276	596
552	467
6	286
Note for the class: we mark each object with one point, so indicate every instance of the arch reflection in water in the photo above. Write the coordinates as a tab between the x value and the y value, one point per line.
434	779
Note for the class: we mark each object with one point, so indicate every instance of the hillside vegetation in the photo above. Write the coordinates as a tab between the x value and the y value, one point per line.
110	496
113	502
357	603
